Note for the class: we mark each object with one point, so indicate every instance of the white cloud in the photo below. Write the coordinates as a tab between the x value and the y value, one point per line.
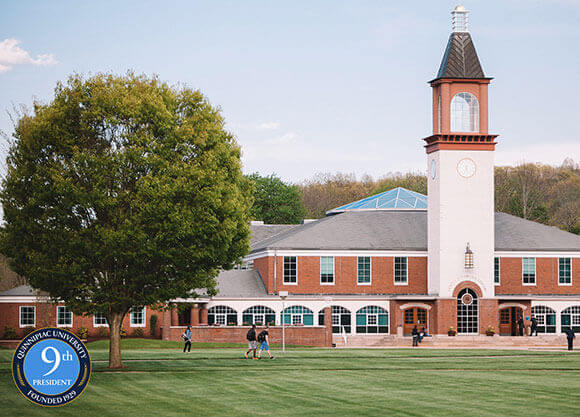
549	153
286	139
268	125
11	54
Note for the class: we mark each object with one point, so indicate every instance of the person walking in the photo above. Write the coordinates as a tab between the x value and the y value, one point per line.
252	342
415	334
571	336
264	341
534	326
187	338
521	326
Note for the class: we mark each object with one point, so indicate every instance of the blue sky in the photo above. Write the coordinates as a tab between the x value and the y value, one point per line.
314	86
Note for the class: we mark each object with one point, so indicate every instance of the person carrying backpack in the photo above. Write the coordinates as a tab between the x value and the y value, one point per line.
186	336
264	343
252	343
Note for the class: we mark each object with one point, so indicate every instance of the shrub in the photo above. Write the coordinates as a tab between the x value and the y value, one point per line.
103	332
27	330
138	332
82	332
9	333
152	324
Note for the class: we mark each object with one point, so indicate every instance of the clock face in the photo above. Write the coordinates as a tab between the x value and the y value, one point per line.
433	168
466	168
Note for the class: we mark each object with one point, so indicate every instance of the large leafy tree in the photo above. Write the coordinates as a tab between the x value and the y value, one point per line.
123	192
276	202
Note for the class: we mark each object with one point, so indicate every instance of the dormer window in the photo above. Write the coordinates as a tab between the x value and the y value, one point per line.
464	113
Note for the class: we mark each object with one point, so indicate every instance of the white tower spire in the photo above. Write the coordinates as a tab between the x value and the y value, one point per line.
460	19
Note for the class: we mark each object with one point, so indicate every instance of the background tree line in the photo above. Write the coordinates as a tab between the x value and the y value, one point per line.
543	193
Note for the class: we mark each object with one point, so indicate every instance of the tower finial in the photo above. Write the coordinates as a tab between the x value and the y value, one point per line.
460	19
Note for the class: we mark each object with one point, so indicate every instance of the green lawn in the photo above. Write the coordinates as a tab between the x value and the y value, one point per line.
162	381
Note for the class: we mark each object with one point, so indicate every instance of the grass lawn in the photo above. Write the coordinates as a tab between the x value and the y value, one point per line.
162	381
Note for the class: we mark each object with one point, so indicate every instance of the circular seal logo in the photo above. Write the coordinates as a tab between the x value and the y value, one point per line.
467	299
51	367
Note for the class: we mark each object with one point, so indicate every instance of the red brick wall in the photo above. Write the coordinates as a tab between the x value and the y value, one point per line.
345	276
46	317
295	335
546	277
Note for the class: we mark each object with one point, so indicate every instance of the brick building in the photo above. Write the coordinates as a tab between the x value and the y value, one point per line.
391	261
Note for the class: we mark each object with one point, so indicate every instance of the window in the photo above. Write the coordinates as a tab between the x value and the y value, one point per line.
364	270
496	271
222	315
64	317
529	271
99	319
327	270
546	318
570	317
467	312
259	315
297	315
372	319
340	319
564	271
27	316
290	270
400	270
137	317
464	113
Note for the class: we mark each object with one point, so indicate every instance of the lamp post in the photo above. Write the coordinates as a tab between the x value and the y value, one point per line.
283	295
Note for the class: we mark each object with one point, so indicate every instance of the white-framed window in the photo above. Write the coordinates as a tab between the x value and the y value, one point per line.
327	270
363	274
259	315
290	270
137	317
297	315
546	318
464	113
496	270
27	316
564	271
401	270
570	317
99	320
529	271
372	319
222	315
64	317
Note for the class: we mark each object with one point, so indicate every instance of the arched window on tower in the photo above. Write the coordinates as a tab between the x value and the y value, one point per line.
464	113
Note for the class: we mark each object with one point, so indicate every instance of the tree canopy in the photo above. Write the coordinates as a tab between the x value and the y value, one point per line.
123	192
276	202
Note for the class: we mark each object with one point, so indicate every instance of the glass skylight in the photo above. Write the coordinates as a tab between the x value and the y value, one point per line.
397	198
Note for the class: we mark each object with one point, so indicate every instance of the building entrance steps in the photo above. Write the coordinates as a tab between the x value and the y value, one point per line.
444	341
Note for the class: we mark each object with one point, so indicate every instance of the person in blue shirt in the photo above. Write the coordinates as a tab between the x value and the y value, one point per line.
187	337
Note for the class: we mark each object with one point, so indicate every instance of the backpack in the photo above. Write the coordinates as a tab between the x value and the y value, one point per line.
261	337
251	335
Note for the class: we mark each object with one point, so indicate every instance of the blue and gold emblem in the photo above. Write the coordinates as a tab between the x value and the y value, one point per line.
51	367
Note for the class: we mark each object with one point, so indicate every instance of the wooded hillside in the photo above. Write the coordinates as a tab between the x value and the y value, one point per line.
543	193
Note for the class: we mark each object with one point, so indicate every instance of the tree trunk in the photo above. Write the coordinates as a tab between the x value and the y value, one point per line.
115	320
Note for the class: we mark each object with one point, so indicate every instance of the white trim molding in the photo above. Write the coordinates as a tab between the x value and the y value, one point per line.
413	305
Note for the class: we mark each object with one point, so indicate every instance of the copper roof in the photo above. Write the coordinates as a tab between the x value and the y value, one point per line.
460	59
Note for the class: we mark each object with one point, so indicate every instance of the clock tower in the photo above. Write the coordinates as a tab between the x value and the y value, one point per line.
460	177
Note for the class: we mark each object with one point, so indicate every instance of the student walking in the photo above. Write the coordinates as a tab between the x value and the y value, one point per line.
187	338
252	342
534	326
264	341
571	336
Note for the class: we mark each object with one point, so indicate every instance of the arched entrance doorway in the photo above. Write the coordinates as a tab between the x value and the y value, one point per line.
414	316
467	312
508	320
